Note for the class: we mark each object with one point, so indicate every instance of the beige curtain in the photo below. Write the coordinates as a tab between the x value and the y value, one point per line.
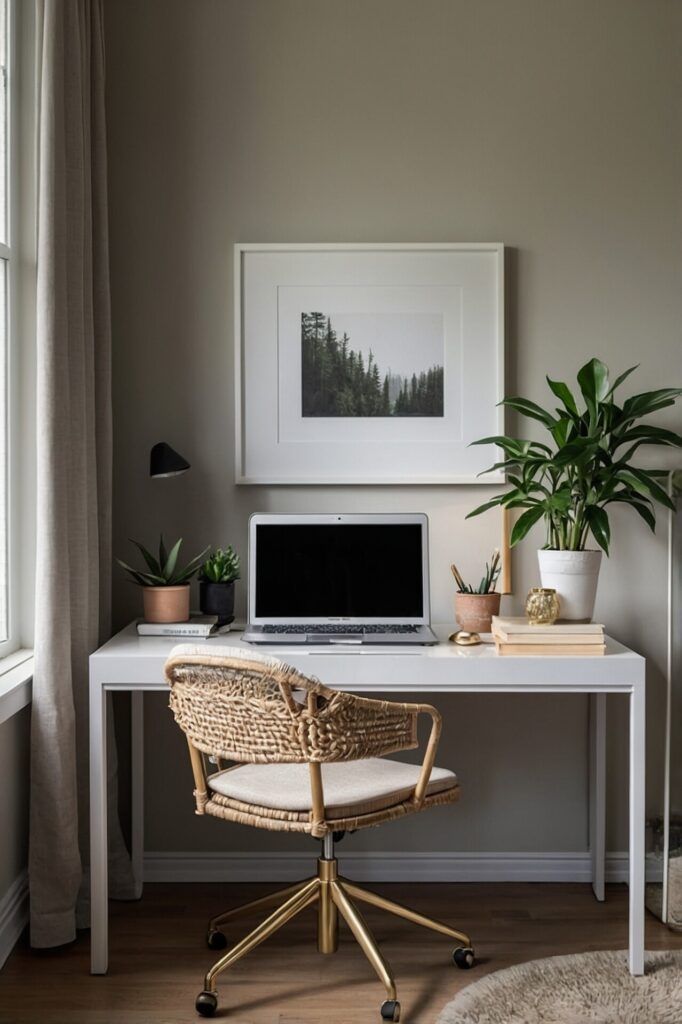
73	459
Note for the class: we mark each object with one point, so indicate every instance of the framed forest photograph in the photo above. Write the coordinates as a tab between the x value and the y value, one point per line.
372	364
367	363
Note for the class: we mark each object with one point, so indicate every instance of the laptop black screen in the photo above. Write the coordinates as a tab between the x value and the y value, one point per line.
360	570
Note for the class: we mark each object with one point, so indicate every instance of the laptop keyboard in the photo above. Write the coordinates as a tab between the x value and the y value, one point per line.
332	628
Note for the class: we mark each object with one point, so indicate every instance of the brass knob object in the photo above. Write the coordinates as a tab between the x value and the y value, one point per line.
464	638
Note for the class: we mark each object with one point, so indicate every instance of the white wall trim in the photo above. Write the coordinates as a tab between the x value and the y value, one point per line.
16	683
13	915
382	867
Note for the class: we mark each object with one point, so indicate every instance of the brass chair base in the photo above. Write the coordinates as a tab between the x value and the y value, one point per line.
334	895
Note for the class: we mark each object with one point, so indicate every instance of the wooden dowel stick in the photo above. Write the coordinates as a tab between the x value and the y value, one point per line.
505	553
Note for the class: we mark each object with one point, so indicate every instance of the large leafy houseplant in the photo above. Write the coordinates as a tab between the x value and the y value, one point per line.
586	465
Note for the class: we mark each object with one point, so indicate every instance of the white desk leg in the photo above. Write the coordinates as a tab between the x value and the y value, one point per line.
99	906
637	826
137	783
597	830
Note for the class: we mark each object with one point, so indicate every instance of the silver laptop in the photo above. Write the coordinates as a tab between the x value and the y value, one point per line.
339	579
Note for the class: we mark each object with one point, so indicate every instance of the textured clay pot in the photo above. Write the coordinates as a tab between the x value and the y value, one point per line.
166	604
217	599
574	575
474	611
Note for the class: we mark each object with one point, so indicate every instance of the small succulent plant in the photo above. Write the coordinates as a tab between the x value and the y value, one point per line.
163	571
488	581
222	566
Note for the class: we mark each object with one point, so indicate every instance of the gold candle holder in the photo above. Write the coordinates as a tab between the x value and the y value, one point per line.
542	606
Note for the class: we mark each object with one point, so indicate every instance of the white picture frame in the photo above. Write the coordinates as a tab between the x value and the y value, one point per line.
395	307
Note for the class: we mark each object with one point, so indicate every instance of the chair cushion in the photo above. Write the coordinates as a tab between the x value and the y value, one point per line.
350	787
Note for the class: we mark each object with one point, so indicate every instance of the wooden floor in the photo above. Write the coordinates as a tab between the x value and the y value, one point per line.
158	956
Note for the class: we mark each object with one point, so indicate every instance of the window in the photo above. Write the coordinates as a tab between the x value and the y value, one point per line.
5	255
18	103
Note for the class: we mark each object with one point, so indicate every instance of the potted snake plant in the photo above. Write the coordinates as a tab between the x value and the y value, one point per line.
216	584
584	466
165	586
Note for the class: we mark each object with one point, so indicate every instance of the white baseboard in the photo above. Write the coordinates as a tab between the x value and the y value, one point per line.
13	915
382	867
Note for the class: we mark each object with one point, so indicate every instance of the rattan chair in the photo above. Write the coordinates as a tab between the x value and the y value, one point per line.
308	759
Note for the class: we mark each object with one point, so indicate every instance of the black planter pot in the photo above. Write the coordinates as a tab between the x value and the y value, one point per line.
217	599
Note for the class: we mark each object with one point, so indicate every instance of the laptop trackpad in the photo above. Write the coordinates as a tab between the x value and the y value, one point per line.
336	638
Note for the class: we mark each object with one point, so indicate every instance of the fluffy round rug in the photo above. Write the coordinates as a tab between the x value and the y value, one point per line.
587	988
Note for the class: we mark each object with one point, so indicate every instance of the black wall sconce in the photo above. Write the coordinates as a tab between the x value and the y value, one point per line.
165	461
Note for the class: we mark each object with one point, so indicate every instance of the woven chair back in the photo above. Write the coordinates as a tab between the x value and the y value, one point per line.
241	706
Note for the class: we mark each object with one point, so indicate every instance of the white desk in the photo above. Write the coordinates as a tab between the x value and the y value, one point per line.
129	662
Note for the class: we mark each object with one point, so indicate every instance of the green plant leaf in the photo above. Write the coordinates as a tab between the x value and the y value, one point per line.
524	523
134	573
619	380
564	394
642	507
561	430
576	449
500	499
171	560
647	434
152	580
530	409
144	579
645	512
183	575
498	439
561	500
524	502
593	379
599	525
163	554
152	564
642	482
649	401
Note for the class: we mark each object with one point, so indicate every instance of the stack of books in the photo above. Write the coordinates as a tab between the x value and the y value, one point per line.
514	635
201	626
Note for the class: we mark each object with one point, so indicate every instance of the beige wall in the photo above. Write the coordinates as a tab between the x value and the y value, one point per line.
550	126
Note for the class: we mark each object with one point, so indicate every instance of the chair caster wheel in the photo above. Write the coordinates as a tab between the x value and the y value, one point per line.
206	1004
463	957
215	939
390	1010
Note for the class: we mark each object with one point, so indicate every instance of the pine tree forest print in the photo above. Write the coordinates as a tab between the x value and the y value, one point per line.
339	380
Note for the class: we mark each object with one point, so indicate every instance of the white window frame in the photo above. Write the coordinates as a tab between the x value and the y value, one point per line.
9	645
16	664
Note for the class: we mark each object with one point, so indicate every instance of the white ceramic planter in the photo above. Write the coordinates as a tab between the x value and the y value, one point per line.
574	576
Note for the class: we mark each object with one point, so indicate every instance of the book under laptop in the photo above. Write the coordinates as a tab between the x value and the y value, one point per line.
339	579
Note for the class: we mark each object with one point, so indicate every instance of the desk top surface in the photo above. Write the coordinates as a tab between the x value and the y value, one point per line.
131	659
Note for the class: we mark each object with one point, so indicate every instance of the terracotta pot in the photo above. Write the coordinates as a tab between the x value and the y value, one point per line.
166	604
474	611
